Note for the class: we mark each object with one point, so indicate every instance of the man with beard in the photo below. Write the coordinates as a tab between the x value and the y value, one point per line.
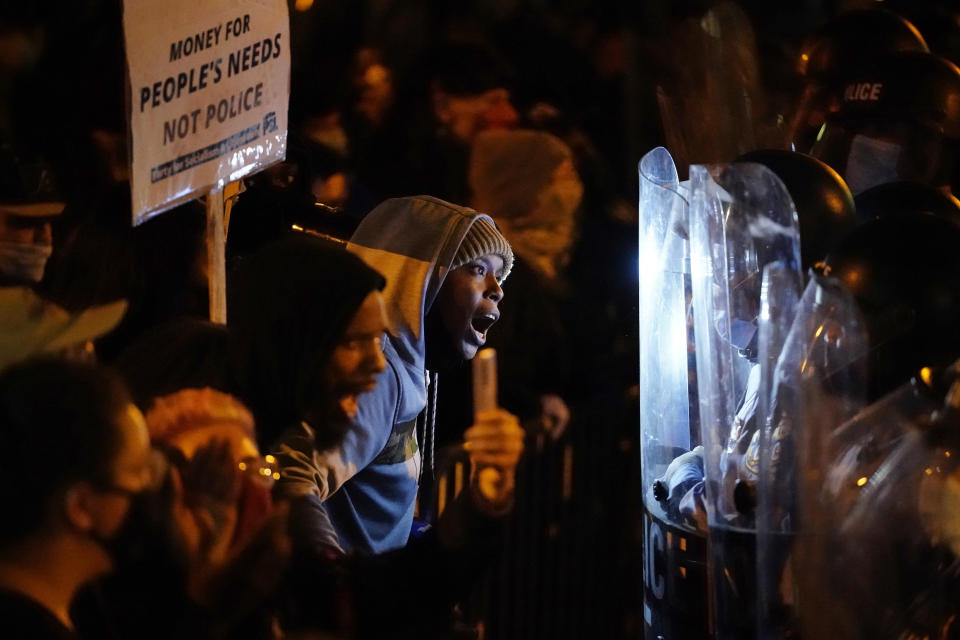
306	324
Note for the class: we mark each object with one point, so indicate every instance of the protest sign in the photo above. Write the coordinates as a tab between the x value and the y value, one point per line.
209	84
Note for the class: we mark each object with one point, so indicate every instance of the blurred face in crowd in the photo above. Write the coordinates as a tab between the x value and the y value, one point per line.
100	509
466	308
466	116
215	439
24	229
25	245
373	83
358	357
216	458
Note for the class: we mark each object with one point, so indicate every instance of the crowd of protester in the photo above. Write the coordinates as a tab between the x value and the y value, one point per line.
259	479
165	476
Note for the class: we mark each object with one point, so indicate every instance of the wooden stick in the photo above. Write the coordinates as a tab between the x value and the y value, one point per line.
216	257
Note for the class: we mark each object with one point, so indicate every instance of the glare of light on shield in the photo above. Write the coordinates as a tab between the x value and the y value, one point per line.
303	5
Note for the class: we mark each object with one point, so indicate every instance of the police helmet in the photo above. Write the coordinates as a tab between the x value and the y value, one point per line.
825	207
905	196
846	42
855	37
903	272
895	119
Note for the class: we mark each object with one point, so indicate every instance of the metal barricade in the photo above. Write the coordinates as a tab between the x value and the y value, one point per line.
570	565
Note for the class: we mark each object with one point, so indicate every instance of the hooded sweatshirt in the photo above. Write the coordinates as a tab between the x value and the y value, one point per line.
369	484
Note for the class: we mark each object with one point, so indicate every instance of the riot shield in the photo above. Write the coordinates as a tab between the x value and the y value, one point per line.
709	93
818	361
878	554
674	549
745	247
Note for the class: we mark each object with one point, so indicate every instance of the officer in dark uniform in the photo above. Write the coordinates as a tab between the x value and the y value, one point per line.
848	41
704	359
903	196
875	528
897	118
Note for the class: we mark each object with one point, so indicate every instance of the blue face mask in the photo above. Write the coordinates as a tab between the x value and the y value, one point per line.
23	262
742	303
741	333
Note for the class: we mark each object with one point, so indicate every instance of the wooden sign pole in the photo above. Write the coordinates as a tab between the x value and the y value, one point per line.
216	257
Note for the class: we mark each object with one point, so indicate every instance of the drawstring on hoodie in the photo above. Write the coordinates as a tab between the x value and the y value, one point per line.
428	435
433	383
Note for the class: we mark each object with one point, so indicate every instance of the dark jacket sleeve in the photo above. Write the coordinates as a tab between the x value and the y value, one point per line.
402	593
413	589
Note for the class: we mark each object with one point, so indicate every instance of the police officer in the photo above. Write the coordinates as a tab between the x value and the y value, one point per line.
29	201
875	553
848	41
897	118
893	198
713	368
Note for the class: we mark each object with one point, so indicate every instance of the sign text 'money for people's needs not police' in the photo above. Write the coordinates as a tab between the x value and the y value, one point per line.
209	87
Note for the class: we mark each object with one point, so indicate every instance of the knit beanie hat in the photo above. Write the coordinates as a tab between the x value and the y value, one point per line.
484	239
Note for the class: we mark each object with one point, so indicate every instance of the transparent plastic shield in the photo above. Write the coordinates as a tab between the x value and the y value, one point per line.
870	154
672	473
878	554
744	241
743	226
665	349
777	345
710	97
817	360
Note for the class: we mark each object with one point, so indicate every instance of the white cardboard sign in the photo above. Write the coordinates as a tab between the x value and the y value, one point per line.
209	88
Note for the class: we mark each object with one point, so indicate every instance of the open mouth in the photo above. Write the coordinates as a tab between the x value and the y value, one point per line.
481	324
361	386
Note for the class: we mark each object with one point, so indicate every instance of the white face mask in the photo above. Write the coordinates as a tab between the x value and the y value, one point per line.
871	162
24	262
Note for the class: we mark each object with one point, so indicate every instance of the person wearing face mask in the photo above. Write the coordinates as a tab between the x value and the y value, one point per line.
68	515
29	201
30	324
197	556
